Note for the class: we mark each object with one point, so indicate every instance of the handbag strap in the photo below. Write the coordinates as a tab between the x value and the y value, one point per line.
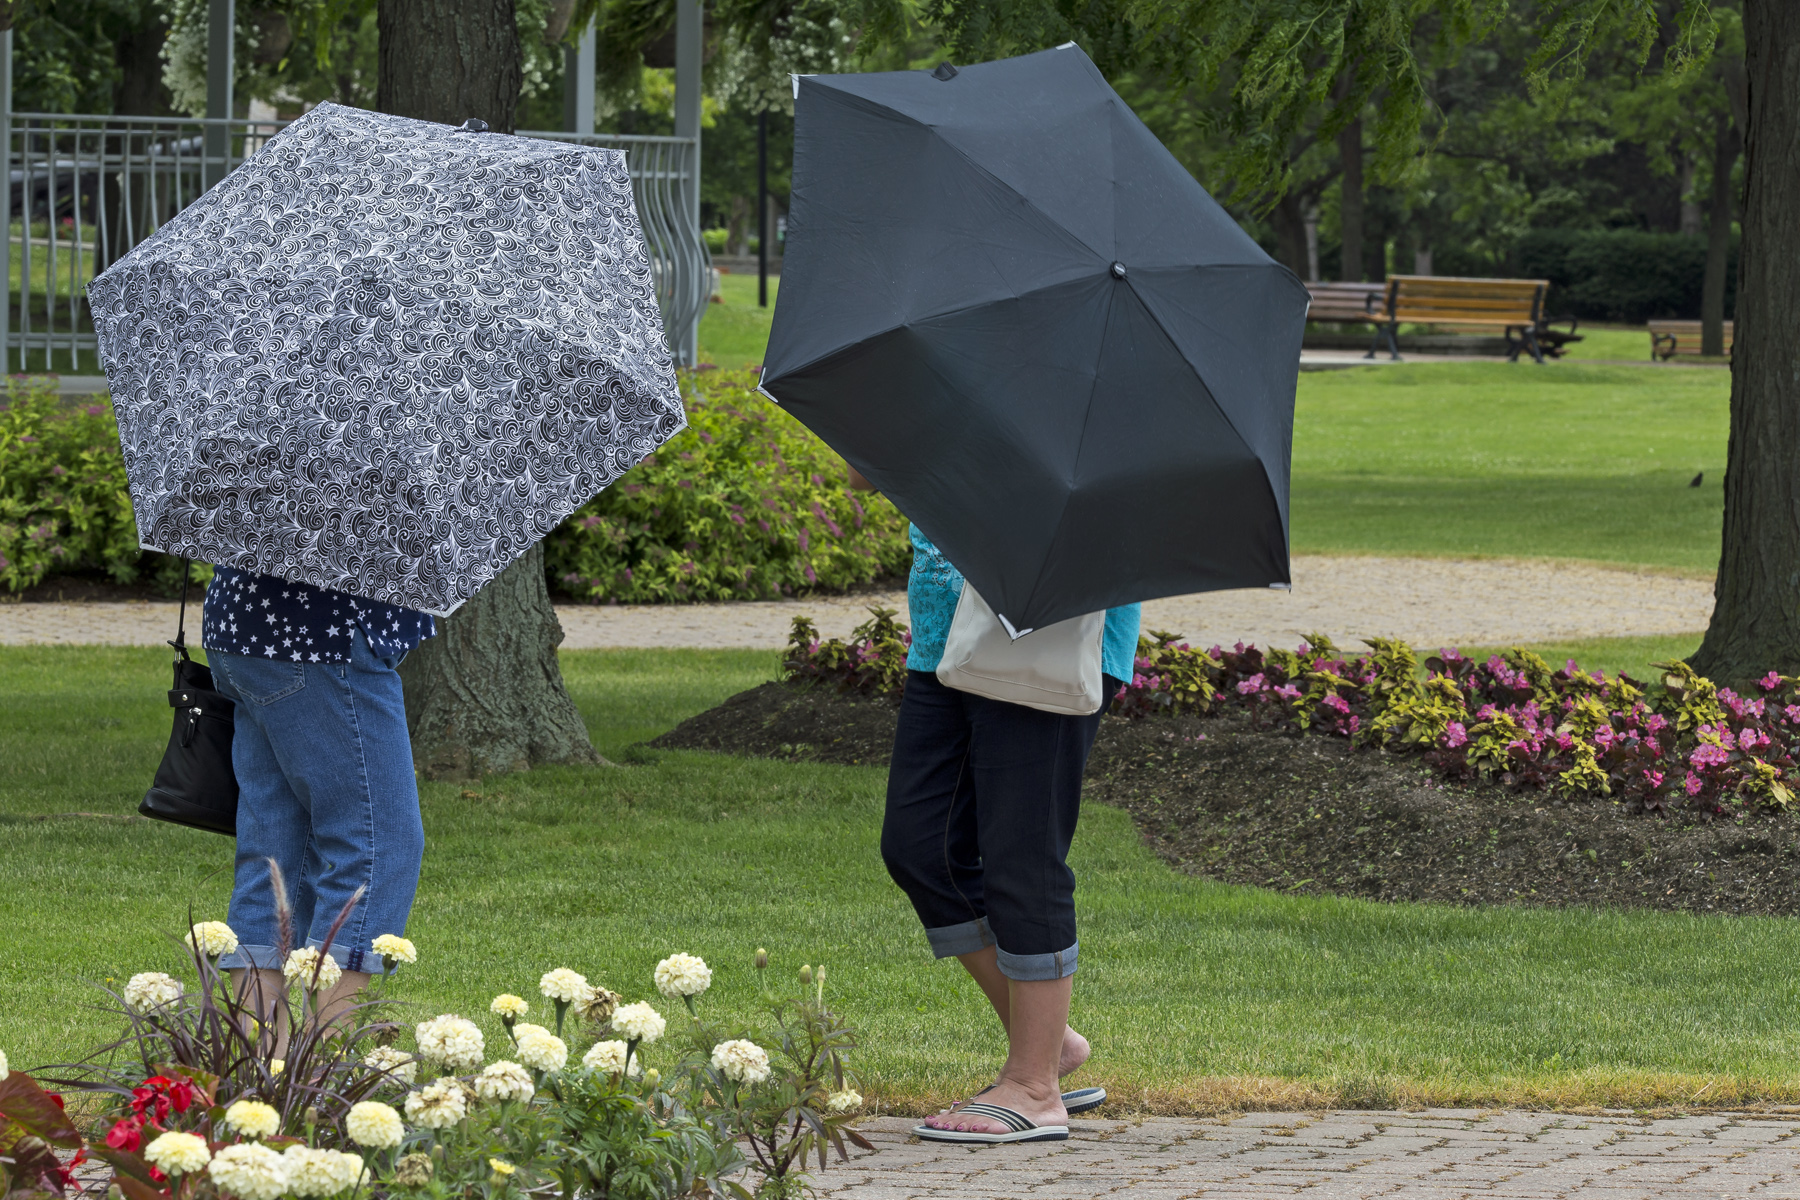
180	642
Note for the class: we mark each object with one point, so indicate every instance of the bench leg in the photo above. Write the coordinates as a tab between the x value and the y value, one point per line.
1531	344
1375	343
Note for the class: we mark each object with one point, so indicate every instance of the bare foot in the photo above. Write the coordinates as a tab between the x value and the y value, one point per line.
1075	1051
1040	1109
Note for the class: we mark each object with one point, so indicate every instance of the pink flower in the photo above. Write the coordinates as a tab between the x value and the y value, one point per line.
1288	691
1692	785
1653	778
1252	685
1769	682
1336	704
1455	735
94	410
811	577
1708	755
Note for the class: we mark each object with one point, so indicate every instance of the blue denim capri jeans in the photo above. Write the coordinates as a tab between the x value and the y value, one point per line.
983	798
326	789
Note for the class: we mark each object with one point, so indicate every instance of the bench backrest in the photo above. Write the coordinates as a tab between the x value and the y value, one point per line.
1680	337
1448	300
1344	301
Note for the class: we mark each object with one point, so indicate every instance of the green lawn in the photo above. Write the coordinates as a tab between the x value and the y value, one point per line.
734	332
1512	459
1196	995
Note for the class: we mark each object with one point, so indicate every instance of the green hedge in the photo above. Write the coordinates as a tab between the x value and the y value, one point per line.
63	504
1623	275
744	504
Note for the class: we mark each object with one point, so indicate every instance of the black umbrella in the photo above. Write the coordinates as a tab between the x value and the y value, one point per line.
1008	306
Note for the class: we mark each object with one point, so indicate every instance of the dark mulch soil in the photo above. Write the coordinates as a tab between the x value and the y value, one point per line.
1308	814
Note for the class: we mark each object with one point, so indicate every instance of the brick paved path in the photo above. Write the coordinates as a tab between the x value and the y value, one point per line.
1433	1155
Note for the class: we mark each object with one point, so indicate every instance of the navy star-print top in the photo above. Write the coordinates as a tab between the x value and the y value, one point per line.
266	617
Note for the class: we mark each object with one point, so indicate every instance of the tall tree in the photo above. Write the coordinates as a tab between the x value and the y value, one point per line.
486	694
1756	612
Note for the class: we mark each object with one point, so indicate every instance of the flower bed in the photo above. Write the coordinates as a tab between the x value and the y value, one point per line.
218	1093
1513	719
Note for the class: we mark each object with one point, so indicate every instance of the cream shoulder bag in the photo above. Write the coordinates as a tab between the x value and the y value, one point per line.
1055	669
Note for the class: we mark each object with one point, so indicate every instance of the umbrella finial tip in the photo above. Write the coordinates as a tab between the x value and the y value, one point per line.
1118	270
945	72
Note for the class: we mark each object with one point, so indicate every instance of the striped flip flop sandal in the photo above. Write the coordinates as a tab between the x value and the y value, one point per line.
1019	1128
1084	1099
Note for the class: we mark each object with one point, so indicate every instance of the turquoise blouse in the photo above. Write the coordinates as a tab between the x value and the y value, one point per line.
934	587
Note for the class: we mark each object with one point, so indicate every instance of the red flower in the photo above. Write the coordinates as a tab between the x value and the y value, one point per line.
126	1135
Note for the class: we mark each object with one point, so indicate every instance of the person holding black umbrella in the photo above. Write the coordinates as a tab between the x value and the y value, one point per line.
1016	315
982	803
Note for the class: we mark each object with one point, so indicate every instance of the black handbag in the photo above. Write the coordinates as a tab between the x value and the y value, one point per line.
195	785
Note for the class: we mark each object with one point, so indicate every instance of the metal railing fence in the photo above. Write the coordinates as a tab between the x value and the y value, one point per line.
85	189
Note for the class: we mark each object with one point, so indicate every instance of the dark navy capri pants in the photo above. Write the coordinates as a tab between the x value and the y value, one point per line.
982	801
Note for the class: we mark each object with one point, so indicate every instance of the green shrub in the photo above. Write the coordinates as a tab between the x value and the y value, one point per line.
716	239
745	504
1621	274
63	502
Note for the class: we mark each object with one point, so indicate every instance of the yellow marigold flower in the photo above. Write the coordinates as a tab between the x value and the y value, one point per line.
639	1023
253	1118
151	990
742	1061
303	964
454	1041
682	975
395	949
563	985
437	1105
212	938
250	1171
503	1081
375	1125
543	1051
848	1100
178	1153
501	1166
509	1007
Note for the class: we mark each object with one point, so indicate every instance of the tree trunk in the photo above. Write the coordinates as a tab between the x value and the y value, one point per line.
1289	219
1350	205
1718	241
486	694
138	93
1756	614
448	60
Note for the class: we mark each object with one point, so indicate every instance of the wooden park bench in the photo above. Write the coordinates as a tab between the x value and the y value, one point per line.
1669	338
1515	305
1353	302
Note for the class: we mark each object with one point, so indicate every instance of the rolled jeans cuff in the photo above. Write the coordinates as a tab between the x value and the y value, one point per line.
266	958
1031	968
948	941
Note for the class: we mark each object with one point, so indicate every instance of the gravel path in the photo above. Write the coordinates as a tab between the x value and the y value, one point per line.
1434	1155
1428	602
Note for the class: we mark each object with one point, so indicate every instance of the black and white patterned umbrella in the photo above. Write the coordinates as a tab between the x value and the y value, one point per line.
386	356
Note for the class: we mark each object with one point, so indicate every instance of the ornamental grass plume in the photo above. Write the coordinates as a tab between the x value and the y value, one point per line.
375	1125
253	1118
683	976
437	1105
639	1023
398	1066
542	1050
214	939
148	991
741	1061
502	1081
451	1041
395	950
178	1153
250	1171
610	1058
312	970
